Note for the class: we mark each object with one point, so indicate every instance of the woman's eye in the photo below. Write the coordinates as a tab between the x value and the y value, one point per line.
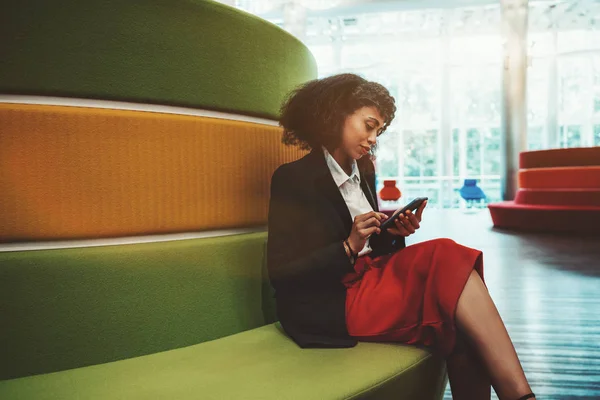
369	127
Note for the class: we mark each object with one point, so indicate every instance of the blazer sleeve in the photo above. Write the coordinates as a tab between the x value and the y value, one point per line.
386	243
290	263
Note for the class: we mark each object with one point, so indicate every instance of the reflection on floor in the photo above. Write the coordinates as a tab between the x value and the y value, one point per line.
547	289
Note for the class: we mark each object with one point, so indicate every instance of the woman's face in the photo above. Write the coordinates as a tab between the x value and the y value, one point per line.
360	132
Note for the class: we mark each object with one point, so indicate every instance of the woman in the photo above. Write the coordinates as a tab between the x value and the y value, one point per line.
339	279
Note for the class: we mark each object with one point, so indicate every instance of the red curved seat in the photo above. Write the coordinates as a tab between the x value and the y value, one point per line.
560	178
573	157
546	218
565	197
559	191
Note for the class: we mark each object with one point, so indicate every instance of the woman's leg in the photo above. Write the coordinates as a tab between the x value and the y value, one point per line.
478	318
469	379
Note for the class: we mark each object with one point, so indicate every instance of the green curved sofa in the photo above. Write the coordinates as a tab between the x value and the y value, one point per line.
191	53
177	319
181	319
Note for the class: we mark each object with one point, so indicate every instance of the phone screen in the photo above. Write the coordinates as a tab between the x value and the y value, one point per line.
412	206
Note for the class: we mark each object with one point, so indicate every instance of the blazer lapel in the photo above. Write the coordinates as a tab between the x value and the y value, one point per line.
367	181
325	185
366	187
328	188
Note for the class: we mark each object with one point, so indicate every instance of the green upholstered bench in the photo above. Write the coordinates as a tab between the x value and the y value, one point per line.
185	319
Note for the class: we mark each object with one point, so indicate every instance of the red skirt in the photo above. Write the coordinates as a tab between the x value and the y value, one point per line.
410	296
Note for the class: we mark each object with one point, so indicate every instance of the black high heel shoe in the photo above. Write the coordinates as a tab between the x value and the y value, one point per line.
527	396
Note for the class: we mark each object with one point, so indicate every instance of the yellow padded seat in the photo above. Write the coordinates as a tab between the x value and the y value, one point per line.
75	172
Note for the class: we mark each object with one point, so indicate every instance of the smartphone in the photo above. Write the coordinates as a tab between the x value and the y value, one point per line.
412	206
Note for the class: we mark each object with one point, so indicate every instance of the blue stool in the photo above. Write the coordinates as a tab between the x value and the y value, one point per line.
471	192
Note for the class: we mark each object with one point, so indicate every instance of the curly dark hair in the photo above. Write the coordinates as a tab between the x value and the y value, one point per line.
313	114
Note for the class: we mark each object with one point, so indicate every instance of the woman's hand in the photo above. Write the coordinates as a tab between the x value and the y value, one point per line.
407	224
364	226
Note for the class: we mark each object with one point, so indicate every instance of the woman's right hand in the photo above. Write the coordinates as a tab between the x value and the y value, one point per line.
364	226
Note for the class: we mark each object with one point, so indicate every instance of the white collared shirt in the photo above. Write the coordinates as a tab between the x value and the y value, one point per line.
351	191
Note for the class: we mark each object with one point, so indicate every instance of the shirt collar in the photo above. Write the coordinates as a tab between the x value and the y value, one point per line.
339	175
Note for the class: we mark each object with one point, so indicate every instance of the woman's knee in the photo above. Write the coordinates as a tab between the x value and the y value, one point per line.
445	242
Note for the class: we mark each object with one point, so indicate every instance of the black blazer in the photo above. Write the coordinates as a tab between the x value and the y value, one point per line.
306	261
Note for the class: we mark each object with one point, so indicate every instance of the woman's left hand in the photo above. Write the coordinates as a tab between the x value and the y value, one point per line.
407	224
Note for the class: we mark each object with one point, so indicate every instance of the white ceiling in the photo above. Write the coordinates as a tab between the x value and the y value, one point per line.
563	10
353	7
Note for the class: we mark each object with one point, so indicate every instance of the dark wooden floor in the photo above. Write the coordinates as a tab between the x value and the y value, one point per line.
547	289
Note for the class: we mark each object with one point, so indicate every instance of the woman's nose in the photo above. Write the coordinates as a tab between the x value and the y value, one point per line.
372	139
